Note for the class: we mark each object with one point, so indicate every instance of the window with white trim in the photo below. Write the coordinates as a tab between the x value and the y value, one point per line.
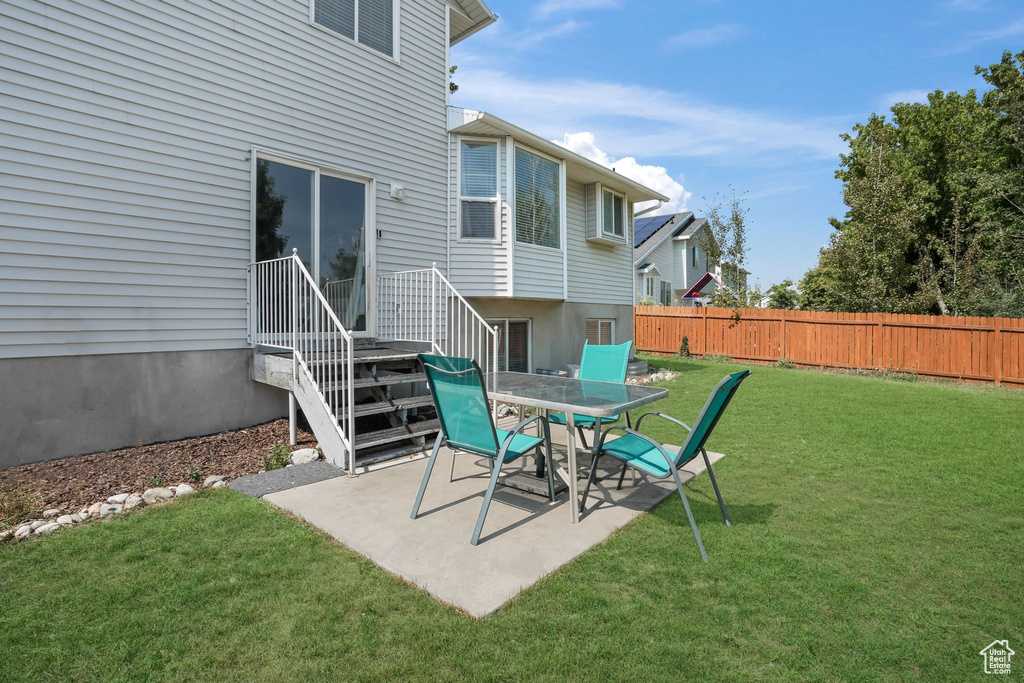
537	199
650	286
368	22
696	261
478	189
613	221
600	331
666	293
513	344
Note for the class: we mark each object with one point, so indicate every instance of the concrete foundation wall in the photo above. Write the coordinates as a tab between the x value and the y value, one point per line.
59	407
558	329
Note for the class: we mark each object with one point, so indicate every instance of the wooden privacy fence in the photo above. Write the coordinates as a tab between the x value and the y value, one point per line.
975	349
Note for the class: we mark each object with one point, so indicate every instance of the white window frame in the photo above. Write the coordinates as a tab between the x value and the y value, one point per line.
396	8
611	329
649	286
623	215
561	200
665	293
695	257
491	322
496	199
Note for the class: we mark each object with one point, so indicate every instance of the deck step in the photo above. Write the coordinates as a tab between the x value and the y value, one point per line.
392	405
385	436
384	379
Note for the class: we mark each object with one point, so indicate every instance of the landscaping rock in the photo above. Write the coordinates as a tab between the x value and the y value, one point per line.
4	535
65	520
84	512
119	499
94	509
22	532
36	523
51	513
183	490
133	501
213	479
47	528
157	494
303	456
111	509
219	484
77	518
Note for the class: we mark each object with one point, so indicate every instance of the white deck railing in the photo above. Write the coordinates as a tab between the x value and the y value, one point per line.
288	311
422	306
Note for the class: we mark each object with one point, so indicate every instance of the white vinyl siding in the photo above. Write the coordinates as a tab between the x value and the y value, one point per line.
125	181
368	22
598	273
478	189
479	267
600	331
662	257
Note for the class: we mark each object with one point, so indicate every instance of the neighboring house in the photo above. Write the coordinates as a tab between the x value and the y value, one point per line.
164	161
669	260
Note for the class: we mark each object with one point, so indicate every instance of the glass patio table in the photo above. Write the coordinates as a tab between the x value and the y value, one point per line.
572	397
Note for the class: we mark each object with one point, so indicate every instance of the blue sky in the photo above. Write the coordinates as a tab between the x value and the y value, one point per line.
705	94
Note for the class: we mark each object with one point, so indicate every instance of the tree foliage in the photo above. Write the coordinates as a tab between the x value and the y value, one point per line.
724	241
934	196
783	295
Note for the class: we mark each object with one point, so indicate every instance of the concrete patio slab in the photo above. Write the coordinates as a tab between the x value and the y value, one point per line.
525	537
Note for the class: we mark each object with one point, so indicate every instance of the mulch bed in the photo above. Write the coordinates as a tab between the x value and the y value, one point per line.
74	483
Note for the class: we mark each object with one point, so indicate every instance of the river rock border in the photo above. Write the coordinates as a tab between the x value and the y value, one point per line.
114	505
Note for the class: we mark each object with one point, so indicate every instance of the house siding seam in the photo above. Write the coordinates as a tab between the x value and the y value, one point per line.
125	182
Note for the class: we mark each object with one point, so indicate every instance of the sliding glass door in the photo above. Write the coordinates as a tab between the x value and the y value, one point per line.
323	214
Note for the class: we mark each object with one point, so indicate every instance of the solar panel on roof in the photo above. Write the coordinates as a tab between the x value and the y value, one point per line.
647	226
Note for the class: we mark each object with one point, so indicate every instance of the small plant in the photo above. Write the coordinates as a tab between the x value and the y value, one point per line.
17	506
155	482
898	376
684	347
785	363
193	474
278	457
717	358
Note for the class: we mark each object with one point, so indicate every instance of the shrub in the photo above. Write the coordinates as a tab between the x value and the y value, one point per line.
684	347
155	482
785	363
717	358
193	473
17	506
278	457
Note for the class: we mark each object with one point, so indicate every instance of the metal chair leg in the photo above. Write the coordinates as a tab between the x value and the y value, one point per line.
583	438
551	471
590	481
538	459
689	515
487	502
622	476
451	474
714	482
426	477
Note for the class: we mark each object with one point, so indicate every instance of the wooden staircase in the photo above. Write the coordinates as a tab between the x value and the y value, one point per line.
394	413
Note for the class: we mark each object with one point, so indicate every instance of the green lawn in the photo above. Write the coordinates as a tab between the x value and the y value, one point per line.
878	528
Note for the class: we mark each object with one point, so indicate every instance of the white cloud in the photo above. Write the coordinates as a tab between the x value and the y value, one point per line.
528	39
645	122
978	38
912	95
709	36
546	8
655	177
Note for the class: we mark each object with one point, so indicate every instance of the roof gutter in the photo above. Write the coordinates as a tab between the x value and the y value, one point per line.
648	209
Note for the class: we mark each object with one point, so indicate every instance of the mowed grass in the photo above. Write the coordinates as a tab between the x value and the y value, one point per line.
878	534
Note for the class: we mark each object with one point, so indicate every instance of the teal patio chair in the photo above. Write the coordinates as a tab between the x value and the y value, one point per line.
647	455
460	396
603	363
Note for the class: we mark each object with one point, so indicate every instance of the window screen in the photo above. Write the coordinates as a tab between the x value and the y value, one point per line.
477	220
599	331
537	200
337	15
376	21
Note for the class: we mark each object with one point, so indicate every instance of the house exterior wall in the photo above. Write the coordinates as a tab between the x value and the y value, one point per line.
598	273
65	406
125	212
663	257
558	329
687	274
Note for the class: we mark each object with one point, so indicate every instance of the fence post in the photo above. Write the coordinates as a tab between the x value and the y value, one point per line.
704	337
782	341
878	341
997	362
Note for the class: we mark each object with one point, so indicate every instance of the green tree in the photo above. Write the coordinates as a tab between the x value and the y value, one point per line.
725	243
783	295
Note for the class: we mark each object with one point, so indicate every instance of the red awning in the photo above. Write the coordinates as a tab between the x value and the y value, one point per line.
694	291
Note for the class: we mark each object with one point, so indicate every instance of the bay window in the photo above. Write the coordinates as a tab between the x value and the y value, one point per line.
537	199
479	202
